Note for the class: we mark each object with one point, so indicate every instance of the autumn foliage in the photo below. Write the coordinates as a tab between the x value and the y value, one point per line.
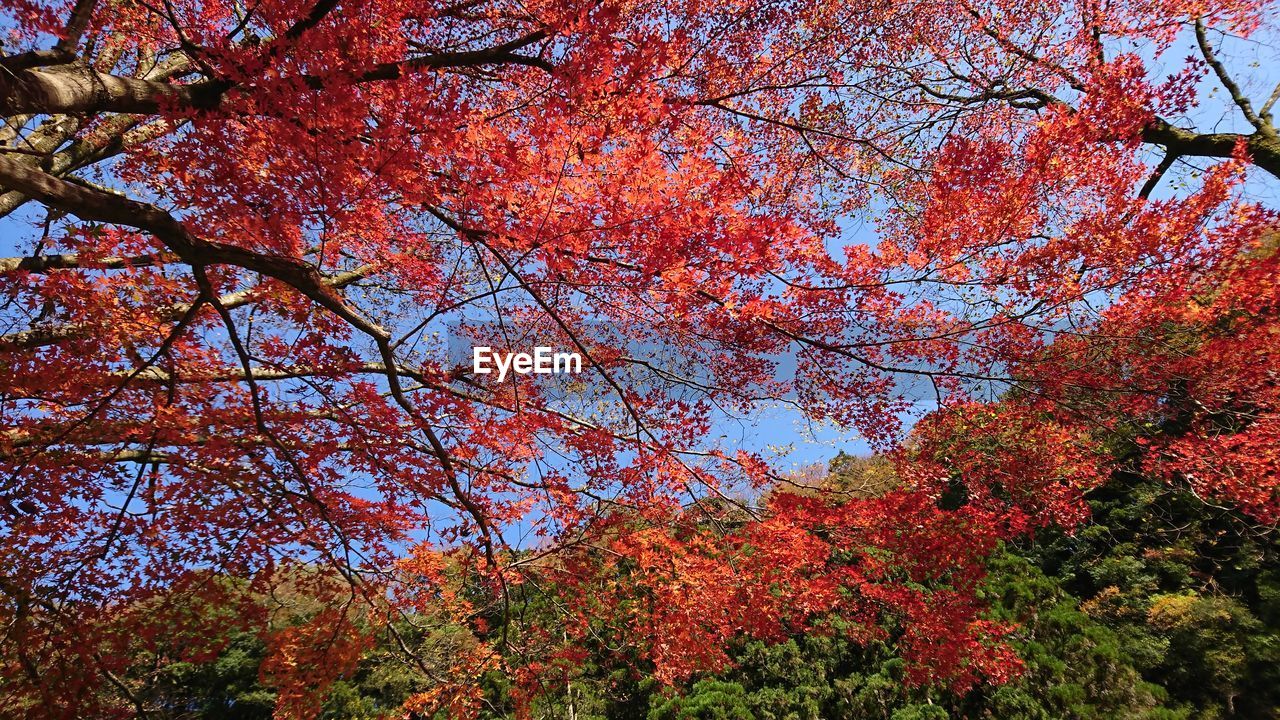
242	235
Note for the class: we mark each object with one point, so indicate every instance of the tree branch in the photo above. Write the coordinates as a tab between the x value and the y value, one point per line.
1263	149
1169	159
69	89
73	261
76	27
1237	95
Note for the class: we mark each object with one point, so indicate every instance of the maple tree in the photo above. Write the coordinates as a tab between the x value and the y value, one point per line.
241	229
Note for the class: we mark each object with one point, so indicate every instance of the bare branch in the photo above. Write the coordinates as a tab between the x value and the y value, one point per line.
1237	95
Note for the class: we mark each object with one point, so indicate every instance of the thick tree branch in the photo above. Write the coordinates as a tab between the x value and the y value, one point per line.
81	14
97	205
73	261
115	136
43	336
1263	149
312	18
69	89
73	89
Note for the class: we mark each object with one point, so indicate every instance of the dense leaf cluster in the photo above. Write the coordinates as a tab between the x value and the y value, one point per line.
1161	608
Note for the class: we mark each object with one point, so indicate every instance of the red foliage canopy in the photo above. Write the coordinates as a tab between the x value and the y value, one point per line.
239	235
